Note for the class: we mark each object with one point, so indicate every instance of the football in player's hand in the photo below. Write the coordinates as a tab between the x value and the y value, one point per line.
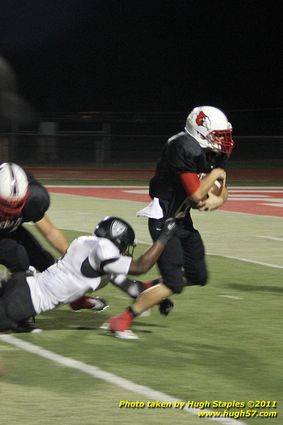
217	187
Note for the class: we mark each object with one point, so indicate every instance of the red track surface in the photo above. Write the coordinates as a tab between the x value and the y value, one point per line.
260	201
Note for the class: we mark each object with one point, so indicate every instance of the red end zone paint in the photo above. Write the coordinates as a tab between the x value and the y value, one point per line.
252	200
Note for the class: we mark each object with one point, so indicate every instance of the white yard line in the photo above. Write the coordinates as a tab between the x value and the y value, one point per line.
110	378
232	297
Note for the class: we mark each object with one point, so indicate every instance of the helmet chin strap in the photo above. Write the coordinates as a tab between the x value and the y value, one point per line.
216	147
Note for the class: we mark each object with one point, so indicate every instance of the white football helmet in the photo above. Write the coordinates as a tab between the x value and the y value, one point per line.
211	129
13	190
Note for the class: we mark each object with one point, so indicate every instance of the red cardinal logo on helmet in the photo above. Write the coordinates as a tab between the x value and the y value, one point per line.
201	119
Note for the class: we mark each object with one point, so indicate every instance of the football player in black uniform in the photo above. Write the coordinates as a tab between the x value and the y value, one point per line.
23	199
203	148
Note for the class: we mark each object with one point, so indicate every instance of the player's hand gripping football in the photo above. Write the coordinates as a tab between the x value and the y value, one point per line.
214	198
221	174
211	203
168	231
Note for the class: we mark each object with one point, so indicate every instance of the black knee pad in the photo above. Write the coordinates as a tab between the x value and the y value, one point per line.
6	323
200	278
177	287
22	259
17	299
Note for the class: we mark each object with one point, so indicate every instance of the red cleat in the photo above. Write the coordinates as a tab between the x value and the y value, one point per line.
119	326
89	303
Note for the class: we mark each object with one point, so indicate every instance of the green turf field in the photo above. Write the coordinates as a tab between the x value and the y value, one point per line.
223	342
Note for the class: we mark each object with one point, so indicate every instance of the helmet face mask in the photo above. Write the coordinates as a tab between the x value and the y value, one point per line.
13	190
12	209
210	128
119	232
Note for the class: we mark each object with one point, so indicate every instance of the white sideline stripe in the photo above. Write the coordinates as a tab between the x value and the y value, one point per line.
246	260
272	238
253	188
280	205
110	378
248	196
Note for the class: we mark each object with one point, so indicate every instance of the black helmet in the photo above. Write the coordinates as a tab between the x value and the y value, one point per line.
117	231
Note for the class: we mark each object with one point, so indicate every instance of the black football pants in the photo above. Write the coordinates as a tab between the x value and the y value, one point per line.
15	302
20	249
183	256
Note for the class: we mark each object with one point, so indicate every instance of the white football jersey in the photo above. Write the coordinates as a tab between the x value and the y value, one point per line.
87	264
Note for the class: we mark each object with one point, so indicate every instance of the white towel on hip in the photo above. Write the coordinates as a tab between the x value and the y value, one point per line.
152	210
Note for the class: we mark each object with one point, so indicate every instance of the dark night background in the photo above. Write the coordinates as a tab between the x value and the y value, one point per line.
129	55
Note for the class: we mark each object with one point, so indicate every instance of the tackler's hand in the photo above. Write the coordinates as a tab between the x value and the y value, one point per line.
168	231
166	306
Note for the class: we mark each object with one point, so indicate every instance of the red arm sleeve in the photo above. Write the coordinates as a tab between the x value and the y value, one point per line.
190	182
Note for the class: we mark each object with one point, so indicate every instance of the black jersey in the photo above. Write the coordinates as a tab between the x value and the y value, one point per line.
35	207
181	154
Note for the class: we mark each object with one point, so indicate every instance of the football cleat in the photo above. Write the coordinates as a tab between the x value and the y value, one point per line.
127	334
27	326
89	303
119	326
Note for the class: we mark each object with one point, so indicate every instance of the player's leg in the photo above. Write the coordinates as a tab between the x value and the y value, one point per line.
15	304
39	257
195	268
170	265
133	288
